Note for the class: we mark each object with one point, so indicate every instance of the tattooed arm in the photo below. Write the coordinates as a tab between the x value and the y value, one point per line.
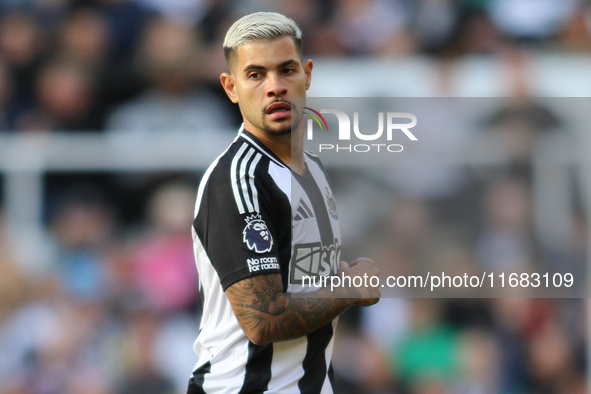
267	314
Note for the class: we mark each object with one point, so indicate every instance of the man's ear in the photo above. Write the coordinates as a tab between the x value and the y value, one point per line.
308	65
229	85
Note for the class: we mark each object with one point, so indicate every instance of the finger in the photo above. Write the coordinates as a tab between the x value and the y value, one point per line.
343	266
360	260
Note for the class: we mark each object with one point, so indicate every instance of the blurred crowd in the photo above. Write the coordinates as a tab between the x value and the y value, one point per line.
145	65
115	312
118	310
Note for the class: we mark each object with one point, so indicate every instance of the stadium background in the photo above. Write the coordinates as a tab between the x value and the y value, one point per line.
111	109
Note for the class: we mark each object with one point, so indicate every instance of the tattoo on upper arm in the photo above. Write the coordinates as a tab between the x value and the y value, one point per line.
262	307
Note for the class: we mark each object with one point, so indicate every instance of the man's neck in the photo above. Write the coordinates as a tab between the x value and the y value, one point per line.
282	146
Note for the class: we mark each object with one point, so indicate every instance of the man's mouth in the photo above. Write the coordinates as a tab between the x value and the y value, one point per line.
279	110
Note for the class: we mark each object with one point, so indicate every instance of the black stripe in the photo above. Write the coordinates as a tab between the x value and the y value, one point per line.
303	212
258	369
262	147
297	218
331	376
311	188
306	208
201	297
196	381
314	363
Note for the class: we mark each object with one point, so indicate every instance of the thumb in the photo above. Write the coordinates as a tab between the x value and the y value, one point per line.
343	265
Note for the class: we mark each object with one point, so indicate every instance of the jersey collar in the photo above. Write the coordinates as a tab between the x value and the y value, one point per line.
248	136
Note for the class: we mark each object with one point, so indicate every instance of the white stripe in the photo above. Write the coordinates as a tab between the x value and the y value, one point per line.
233	177
203	183
282	177
205	177
262	150
255	195
243	179
287	353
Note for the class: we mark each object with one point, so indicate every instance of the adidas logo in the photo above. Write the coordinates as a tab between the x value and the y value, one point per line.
303	211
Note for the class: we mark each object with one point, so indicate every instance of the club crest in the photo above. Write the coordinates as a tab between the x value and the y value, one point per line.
256	235
332	205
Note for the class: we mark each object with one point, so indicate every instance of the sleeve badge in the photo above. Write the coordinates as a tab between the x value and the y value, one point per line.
256	234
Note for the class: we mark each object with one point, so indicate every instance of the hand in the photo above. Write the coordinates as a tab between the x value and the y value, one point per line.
364	268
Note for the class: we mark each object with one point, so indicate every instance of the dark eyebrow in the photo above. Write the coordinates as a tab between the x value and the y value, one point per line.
255	67
288	63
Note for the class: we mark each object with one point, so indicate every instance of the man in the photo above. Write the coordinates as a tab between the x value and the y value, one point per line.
254	337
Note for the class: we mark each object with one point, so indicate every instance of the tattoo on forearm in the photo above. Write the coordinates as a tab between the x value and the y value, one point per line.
261	306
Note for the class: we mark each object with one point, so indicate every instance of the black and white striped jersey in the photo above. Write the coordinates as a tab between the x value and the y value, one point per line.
254	217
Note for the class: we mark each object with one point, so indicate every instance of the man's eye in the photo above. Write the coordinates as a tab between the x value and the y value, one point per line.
254	75
288	71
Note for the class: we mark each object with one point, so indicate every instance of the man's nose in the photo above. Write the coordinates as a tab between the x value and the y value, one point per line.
275	87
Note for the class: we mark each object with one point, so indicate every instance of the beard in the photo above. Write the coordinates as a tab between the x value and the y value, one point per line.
279	129
282	129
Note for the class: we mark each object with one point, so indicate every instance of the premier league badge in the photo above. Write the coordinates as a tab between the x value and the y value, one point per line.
256	235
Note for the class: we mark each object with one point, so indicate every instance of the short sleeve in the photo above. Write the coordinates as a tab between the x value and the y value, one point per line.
237	224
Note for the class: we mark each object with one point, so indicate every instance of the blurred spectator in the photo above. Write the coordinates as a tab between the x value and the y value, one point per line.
550	358
169	56
531	20
82	227
85	38
477	34
518	125
141	373
5	97
426	360
212	30
163	262
20	40
13	283
184	12
575	35
479	364
316	19
510	319
366	27
435	23
506	243
75	351
50	341
367	372
126	20
66	94
22	47
409	224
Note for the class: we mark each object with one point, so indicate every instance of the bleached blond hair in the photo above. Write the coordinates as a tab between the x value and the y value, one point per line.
260	26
